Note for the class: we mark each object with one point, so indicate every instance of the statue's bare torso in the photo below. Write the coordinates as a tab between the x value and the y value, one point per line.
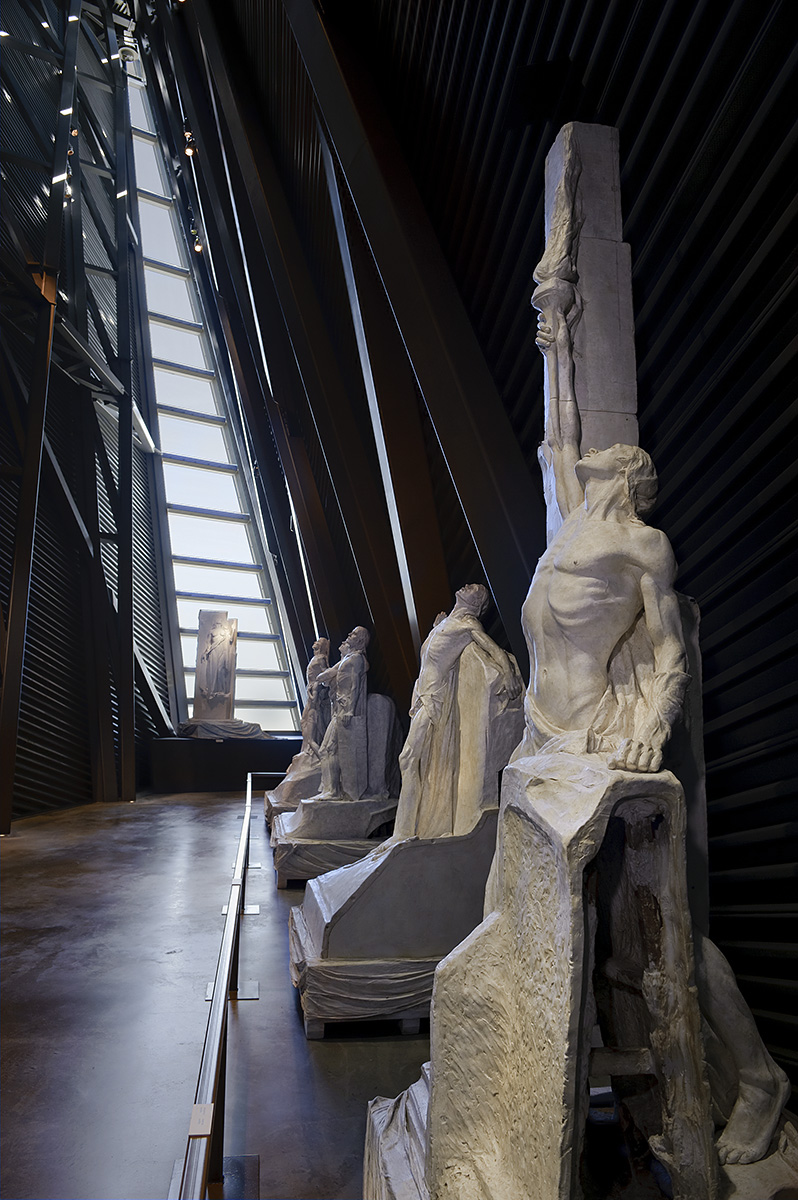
585	596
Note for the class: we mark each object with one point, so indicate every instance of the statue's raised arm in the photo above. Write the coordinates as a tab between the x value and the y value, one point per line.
559	308
559	304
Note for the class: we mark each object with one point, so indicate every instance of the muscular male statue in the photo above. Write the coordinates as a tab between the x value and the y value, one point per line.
601	618
608	675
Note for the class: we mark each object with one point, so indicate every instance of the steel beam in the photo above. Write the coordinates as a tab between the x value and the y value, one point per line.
94	590
404	466
126	675
492	480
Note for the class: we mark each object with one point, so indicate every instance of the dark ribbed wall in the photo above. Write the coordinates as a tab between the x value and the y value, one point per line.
66	645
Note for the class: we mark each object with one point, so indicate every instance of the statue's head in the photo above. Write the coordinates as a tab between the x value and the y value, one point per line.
358	639
474	597
322	646
629	463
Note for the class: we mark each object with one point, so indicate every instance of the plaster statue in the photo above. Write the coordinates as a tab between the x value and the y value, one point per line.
303	776
366	940
344	748
216	664
316	713
608	675
320	660
214	685
586	916
437	761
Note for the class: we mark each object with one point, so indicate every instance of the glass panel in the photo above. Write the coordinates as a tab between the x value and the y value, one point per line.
252	618
192	439
149	173
189	645
259	656
139	108
202	489
185	391
159	236
169	294
249	687
203	537
209	580
273	720
178	345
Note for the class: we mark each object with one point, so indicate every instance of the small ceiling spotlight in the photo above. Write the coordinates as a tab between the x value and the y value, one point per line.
190	147
197	240
74	131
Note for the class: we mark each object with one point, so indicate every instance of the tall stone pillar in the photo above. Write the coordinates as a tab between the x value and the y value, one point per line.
583	187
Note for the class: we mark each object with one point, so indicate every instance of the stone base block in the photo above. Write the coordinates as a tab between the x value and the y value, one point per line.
365	943
349	990
774	1177
327	820
306	858
302	780
323	835
273	807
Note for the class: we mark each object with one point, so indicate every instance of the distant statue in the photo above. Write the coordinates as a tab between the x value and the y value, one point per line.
316	713
608	676
459	729
344	748
320	660
303	776
216	664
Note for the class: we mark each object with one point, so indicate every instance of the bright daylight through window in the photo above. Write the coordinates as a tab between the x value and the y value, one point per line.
218	552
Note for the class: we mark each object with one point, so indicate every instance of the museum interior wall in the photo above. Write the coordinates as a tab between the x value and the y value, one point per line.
373	179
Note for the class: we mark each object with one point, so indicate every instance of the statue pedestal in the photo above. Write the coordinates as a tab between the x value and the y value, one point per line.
366	940
302	780
322	835
513	1007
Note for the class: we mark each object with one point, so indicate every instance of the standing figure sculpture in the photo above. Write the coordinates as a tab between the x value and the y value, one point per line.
316	713
303	776
435	763
608	676
216	662
344	749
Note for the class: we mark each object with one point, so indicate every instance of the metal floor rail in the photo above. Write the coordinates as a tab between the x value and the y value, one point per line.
203	1159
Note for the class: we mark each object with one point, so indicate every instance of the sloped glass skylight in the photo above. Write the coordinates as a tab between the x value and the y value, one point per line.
219	559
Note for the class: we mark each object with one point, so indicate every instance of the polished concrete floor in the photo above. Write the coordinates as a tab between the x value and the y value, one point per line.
110	934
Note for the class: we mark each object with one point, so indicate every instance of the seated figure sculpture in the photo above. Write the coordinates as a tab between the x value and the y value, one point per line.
608	675
430	758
